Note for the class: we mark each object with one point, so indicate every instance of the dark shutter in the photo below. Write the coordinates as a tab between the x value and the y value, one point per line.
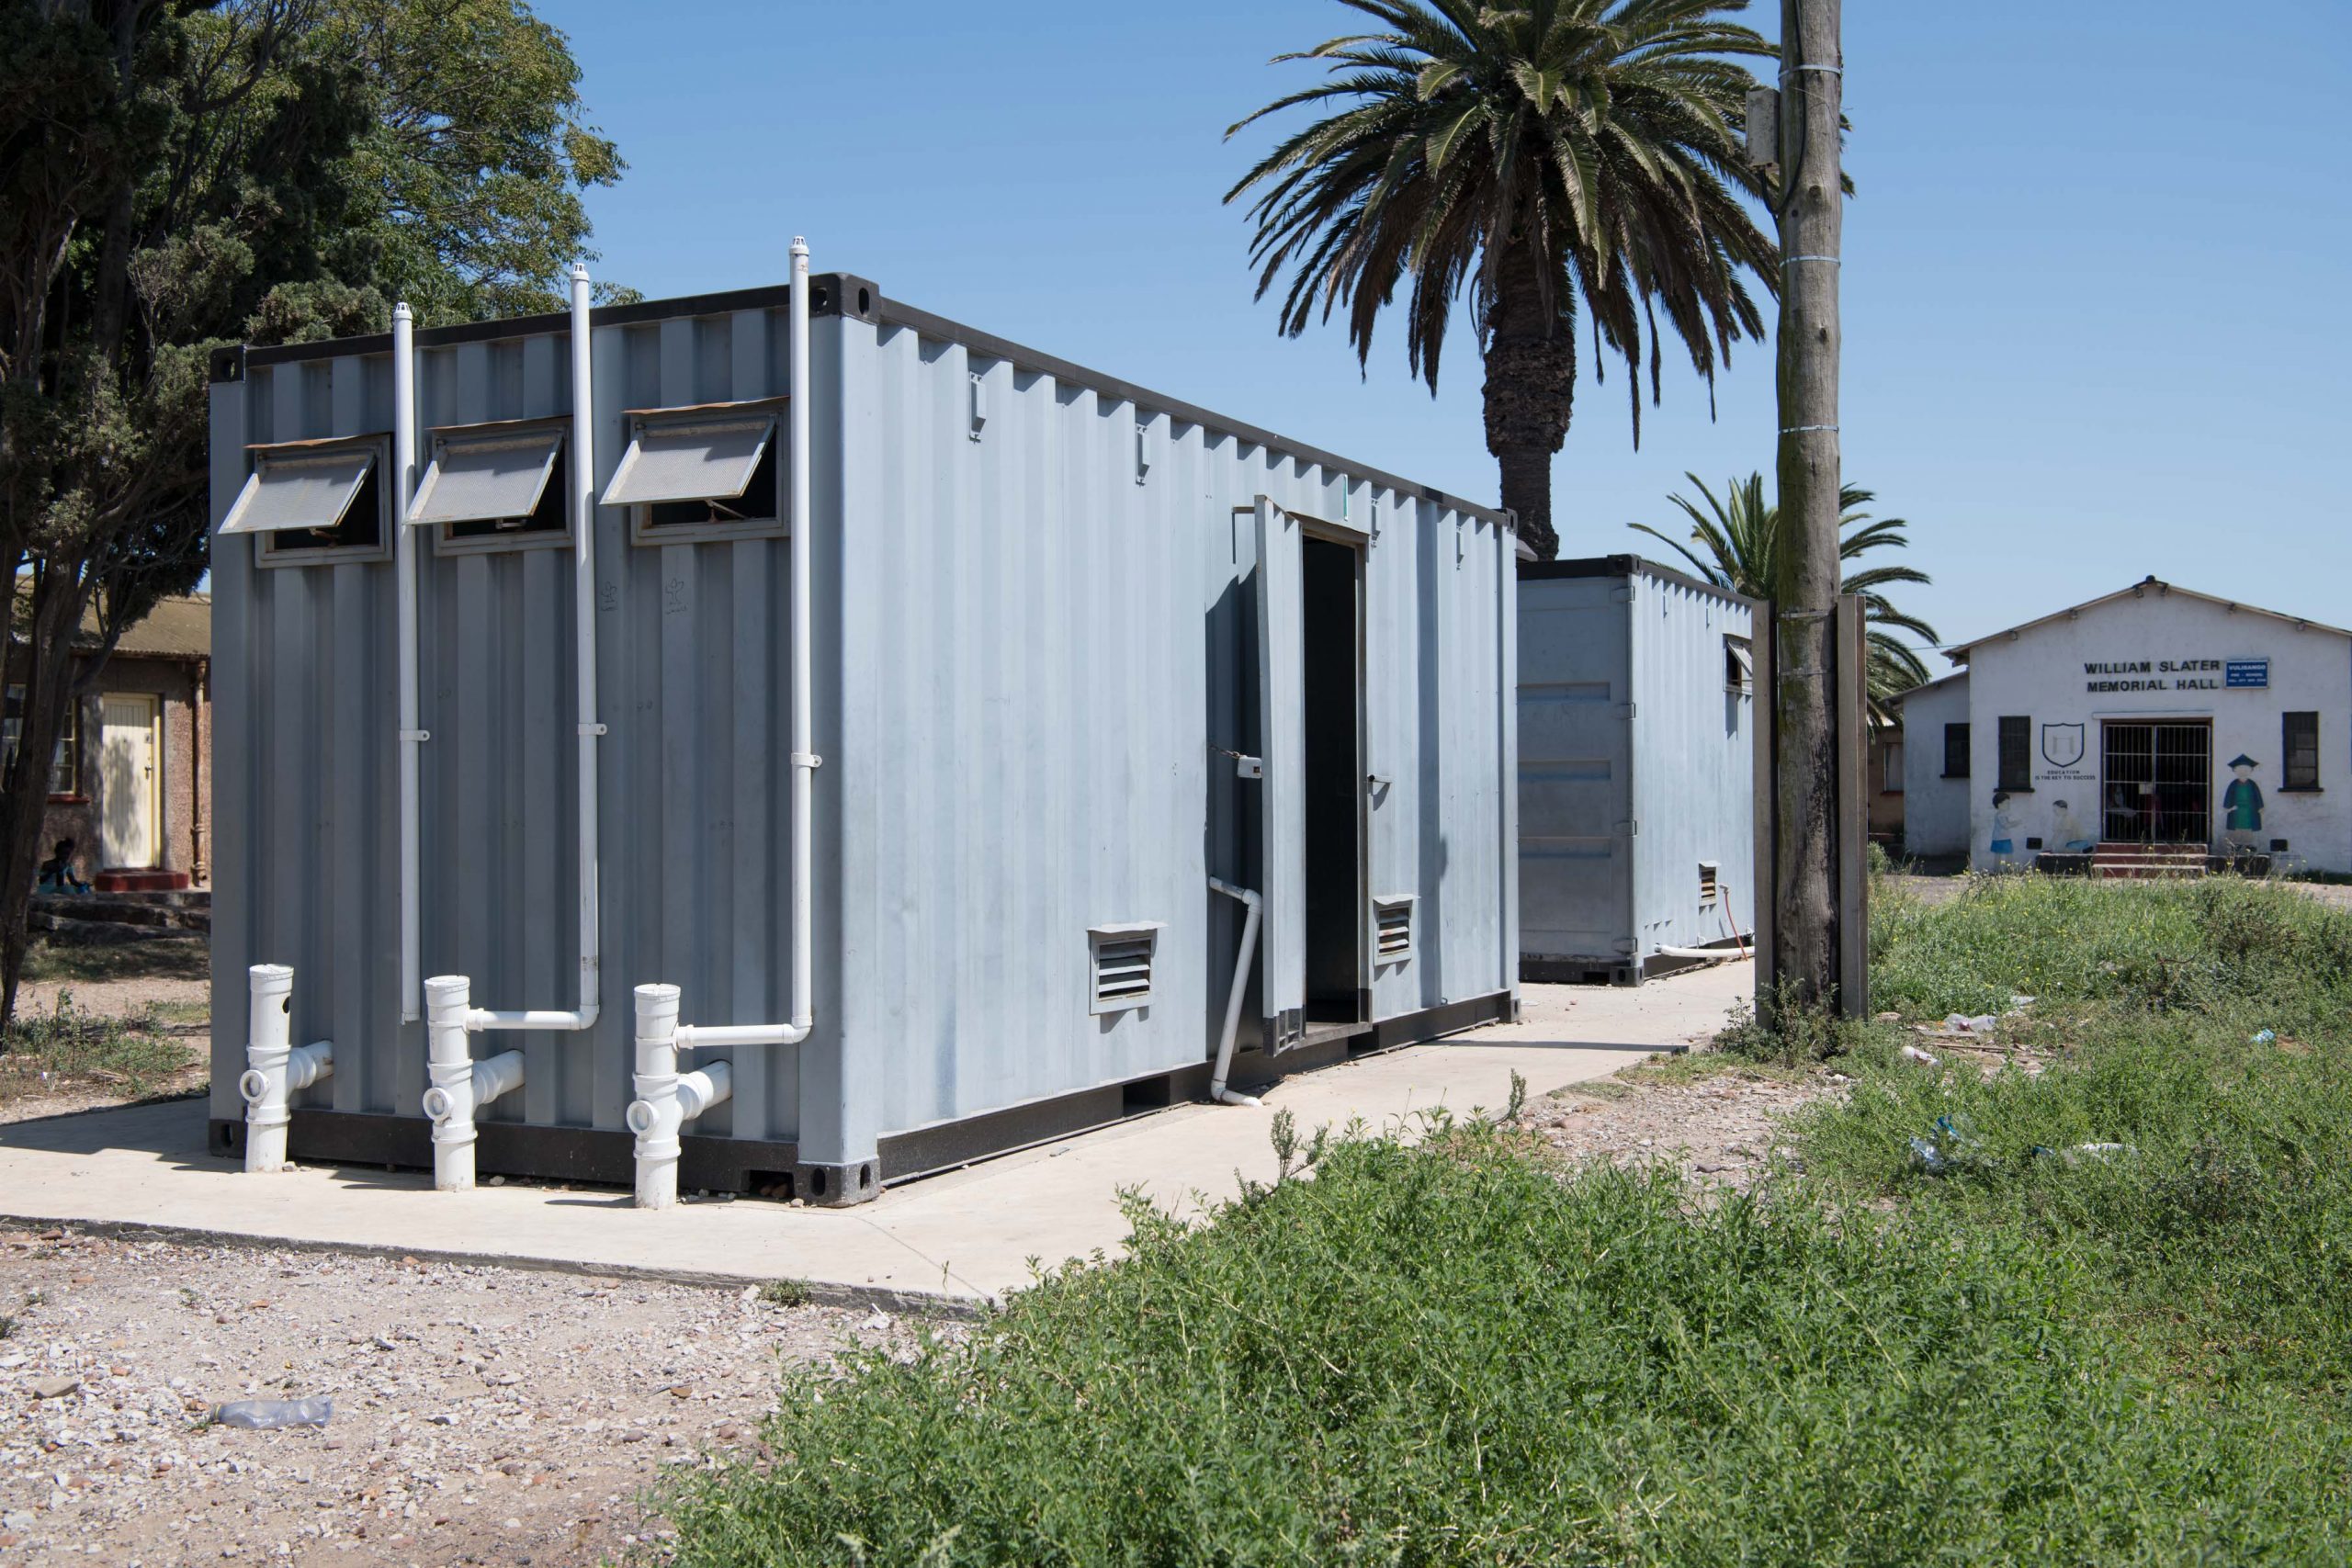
2017	752
1955	750
2300	741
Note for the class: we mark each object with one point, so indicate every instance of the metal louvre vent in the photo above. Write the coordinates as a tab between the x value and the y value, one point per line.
1122	958
1708	886
1392	928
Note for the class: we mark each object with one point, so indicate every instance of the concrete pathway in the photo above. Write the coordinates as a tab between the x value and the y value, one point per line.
965	1236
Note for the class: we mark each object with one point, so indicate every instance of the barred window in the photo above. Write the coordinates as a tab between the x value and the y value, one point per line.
2017	752
2299	743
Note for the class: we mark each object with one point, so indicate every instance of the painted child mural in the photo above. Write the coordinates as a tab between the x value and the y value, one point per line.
2004	846
2242	807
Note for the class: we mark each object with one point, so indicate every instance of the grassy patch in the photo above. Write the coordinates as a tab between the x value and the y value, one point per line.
157	958
1427	1356
2203	1029
1454	1353
2074	939
69	1045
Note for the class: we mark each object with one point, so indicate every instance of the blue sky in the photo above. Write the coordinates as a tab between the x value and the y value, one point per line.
2091	279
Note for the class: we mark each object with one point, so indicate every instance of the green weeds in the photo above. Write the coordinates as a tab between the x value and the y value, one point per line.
69	1044
1450	1352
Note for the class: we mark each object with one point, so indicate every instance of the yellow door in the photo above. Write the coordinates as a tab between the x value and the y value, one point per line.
130	777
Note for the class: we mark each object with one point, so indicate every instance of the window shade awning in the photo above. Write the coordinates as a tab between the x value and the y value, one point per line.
692	460
486	481
304	492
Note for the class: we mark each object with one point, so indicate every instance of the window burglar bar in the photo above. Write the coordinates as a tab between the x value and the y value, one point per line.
2298	745
2017	752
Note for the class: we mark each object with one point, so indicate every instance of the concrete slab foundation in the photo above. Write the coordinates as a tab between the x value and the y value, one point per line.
957	1238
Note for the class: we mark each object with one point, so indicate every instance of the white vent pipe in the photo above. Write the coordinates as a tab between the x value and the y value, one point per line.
274	1069
583	470
404	580
666	1099
805	760
1251	902
461	1085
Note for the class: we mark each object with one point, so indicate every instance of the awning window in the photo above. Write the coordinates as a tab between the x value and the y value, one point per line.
1739	664
299	490
702	460
486	479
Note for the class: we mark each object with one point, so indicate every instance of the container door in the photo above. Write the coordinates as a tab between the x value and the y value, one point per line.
1281	834
1576	820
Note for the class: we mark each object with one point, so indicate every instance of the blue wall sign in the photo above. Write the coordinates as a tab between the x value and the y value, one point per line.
2239	672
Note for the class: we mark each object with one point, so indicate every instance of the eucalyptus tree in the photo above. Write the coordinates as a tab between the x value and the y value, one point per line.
1567	163
1737	542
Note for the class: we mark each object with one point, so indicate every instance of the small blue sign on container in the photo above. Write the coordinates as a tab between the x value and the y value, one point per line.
2246	672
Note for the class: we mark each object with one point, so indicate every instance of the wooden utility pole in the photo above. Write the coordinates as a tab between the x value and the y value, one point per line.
1807	946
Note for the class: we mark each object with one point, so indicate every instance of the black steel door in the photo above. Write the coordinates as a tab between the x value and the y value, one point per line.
2156	782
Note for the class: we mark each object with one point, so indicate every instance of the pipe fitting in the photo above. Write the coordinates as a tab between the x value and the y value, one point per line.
666	1099
274	1069
461	1086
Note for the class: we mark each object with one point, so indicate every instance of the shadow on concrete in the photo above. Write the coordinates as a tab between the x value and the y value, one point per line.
173	1127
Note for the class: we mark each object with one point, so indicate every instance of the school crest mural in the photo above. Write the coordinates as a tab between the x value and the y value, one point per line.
2062	744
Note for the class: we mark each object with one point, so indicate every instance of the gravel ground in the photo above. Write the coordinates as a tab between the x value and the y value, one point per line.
481	1414
1719	1128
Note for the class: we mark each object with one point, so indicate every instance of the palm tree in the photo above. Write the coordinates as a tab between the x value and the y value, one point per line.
1552	155
1738	541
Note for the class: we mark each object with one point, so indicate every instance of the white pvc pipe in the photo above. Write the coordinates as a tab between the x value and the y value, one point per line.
666	1099
1241	963
411	736
274	1069
461	1086
805	760
584	660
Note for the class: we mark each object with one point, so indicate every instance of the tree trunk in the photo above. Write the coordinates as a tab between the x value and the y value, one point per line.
47	668
1531	388
1806	938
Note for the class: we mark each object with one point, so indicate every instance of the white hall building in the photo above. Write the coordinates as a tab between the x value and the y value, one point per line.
2155	715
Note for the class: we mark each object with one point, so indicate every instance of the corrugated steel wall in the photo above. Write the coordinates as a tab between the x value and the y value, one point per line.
1040	651
1057	649
1635	763
1694	766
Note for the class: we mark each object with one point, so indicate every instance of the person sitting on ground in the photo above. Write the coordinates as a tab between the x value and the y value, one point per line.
57	871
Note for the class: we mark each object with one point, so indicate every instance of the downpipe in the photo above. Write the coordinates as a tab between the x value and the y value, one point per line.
666	1099
276	1069
583	470
668	1036
1241	963
412	735
461	1086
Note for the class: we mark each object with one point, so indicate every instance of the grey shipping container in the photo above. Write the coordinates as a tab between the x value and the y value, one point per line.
1074	650
1637	731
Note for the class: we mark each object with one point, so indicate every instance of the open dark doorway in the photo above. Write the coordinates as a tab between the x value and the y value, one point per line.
1335	894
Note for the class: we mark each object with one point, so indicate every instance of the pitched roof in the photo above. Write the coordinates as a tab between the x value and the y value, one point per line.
177	628
1958	652
1929	685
